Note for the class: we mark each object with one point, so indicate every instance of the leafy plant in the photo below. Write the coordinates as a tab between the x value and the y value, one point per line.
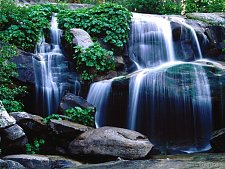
22	26
51	117
111	22
93	61
35	147
81	116
9	91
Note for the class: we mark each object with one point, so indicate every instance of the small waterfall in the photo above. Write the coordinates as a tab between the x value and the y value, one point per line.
150	42
49	68
98	96
193	35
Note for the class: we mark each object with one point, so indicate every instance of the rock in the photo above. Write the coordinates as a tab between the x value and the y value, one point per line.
68	128
213	18
14	132
42	162
120	63
111	141
24	64
29	122
14	146
197	161
218	141
71	100
81	38
5	119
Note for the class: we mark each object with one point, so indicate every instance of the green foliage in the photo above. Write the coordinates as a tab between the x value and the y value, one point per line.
35	147
93	61
110	22
81	116
8	91
205	6
51	117
22	26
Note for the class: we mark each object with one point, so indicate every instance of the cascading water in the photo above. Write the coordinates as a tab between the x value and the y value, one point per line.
169	101
50	70
98	96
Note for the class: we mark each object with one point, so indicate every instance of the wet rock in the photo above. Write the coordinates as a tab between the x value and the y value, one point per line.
111	141
81	38
68	128
42	162
5	119
71	100
14	132
9	164
218	141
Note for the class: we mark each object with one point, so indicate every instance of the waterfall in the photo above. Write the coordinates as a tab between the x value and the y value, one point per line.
50	70
168	100
150	42
98	96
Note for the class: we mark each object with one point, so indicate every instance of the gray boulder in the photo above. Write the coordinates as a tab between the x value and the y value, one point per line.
42	162
111	141
9	164
81	38
5	119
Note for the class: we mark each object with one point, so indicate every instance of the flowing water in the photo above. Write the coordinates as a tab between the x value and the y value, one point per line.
50	70
168	100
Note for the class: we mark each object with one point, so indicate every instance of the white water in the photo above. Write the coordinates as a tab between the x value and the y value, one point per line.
98	96
48	72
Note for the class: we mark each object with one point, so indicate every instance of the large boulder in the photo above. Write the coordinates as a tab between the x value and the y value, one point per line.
71	100
111	141
42	162
218	141
13	132
5	119
81	38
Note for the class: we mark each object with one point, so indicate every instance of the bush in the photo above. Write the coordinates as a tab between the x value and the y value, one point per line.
81	116
8	91
110	22
93	61
22	26
35	147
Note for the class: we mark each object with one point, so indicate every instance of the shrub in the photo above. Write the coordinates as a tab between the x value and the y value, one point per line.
22	26
93	61
110	22
81	116
9	91
35	147
50	117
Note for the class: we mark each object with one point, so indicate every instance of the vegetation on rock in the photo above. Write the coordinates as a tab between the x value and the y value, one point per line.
81	116
35	147
9	91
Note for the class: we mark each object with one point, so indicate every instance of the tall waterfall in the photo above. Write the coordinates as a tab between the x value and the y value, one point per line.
168	100
50	67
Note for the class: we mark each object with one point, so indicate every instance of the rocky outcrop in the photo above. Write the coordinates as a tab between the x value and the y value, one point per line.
42	162
81	38
218	141
111	141
71	100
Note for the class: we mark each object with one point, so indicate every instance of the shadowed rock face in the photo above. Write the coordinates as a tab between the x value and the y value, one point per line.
111	141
